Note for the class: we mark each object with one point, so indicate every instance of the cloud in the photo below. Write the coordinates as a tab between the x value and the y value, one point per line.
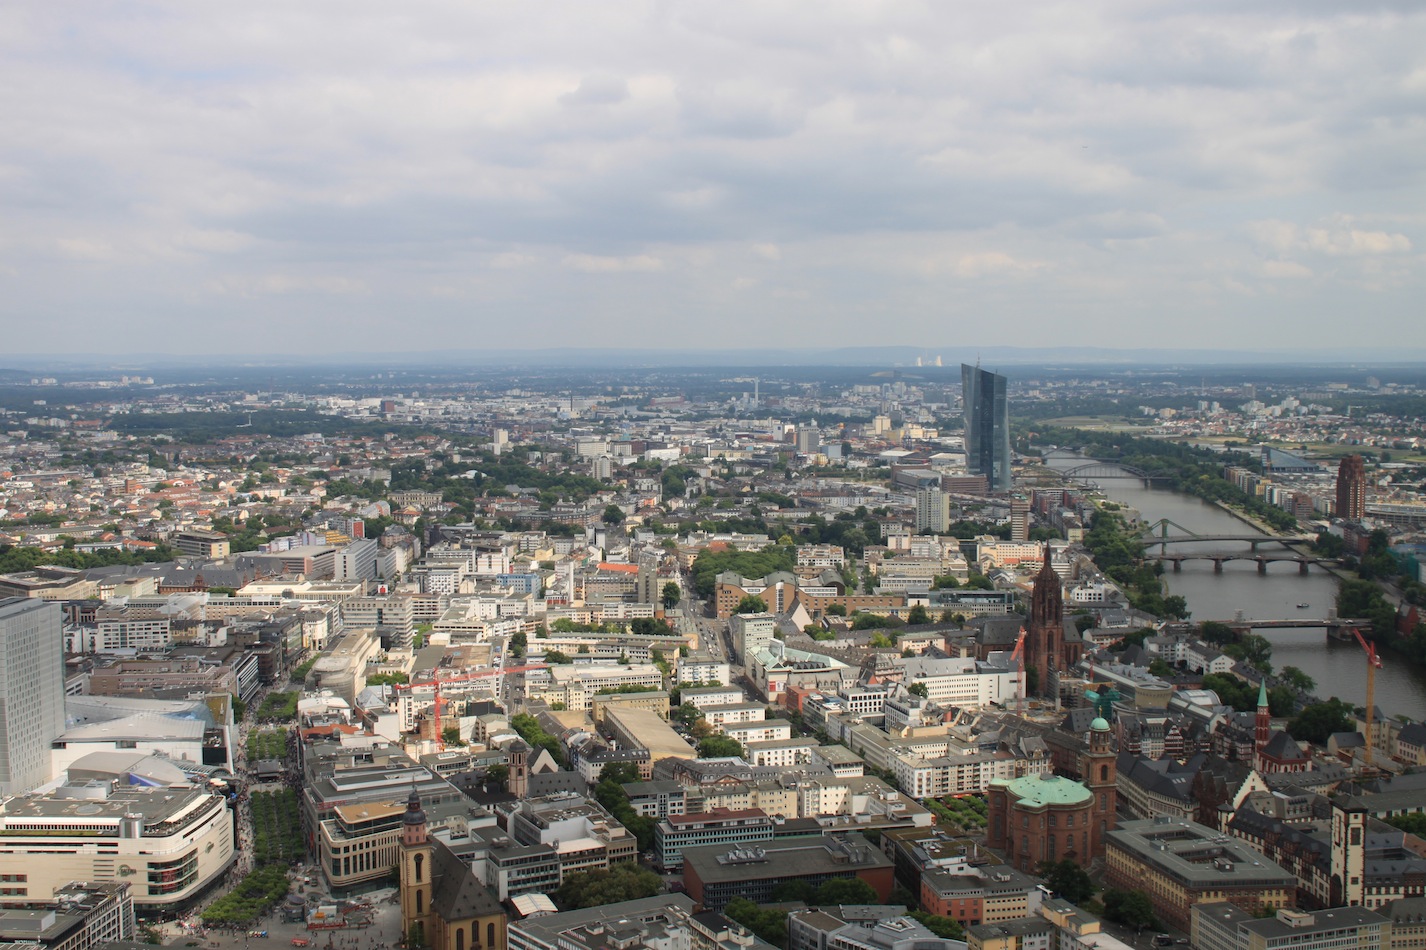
286	284
993	264
1338	238
1283	270
1038	167
603	89
597	264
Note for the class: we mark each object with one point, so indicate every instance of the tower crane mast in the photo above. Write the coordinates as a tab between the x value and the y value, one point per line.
1373	664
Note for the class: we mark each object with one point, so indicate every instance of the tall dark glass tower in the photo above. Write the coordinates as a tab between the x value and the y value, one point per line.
987	426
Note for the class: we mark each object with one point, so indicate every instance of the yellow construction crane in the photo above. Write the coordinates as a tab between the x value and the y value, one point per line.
1373	663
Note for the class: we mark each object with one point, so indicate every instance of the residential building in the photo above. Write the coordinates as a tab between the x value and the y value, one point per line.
933	510
208	545
751	633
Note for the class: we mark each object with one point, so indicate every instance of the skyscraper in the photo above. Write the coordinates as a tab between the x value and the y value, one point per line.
31	691
987	414
1351	488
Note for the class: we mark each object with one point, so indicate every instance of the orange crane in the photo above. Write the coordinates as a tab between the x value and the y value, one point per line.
1019	657
1373	663
464	677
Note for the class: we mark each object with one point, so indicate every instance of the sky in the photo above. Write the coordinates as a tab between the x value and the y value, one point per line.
345	175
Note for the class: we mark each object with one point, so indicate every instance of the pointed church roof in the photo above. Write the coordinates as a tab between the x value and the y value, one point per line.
1262	694
1047	570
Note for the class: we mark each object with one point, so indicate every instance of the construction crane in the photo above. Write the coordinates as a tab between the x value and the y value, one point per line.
1373	663
439	681
1019	658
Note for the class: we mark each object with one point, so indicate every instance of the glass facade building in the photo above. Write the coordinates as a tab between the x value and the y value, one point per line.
987	416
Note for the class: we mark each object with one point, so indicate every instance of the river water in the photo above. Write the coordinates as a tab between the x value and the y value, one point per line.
1339	668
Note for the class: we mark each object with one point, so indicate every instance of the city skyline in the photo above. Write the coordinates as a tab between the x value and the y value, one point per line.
273	178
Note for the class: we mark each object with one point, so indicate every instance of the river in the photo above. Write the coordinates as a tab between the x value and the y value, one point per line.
1339	668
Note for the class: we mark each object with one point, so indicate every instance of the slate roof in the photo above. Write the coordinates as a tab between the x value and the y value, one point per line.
456	893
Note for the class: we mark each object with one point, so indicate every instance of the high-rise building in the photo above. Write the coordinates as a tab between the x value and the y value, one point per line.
31	691
933	510
1019	519
1351	488
987	415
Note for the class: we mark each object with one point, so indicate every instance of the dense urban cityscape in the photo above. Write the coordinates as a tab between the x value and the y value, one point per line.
954	656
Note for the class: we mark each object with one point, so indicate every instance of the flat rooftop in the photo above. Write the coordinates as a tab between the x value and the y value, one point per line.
772	859
1196	855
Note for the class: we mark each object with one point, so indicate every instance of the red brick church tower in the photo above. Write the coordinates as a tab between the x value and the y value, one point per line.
1046	646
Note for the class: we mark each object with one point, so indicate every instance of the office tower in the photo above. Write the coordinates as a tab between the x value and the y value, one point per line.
1351	488
31	691
987	414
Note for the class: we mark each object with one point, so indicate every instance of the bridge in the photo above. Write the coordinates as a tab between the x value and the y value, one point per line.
1096	469
1158	534
1337	627
1263	560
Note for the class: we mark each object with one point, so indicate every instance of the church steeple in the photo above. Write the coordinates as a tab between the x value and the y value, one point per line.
417	871
1262	724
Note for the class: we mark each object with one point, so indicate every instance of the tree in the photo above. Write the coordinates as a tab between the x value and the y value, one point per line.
836	610
1130	908
847	890
613	515
1320	720
518	643
793	890
1068	880
1297	679
719	747
1158	667
919	689
622	882
948	928
917	615
770	925
450	735
672	594
751	604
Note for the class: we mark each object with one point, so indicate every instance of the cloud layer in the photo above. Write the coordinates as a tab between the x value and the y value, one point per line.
179	176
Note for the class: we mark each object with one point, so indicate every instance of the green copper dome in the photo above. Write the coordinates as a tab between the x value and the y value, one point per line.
1100	724
1048	789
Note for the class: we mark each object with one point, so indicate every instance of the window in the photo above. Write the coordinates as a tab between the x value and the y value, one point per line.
1104	773
460	938
420	902
490	935
419	860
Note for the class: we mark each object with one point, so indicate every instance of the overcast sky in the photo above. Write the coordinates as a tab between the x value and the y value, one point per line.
284	174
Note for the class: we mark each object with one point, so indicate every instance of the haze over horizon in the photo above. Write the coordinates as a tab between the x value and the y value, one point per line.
441	176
